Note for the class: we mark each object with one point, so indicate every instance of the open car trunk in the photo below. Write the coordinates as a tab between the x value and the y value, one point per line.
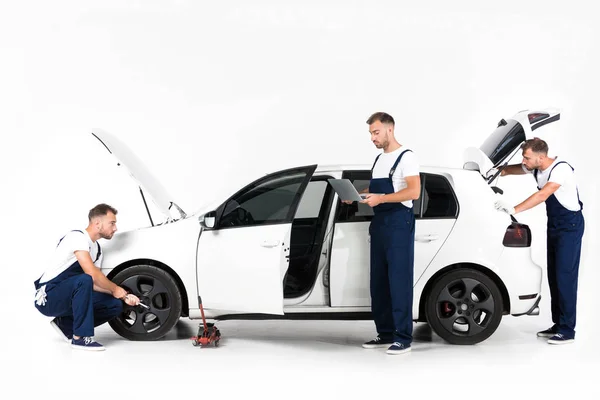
504	142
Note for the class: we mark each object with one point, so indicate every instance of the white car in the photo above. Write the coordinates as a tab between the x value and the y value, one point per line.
284	246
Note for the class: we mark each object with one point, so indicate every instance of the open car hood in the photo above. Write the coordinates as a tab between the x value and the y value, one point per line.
139	172
506	139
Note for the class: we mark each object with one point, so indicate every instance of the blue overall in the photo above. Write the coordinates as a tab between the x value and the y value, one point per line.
392	233
71	296
564	234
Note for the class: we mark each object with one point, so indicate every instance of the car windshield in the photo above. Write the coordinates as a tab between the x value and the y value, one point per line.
503	141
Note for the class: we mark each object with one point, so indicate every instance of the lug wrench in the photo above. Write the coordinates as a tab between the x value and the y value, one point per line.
140	303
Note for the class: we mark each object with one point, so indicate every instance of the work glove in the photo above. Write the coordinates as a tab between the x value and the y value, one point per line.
502	205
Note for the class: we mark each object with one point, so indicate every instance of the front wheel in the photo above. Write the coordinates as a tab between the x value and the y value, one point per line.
156	289
464	306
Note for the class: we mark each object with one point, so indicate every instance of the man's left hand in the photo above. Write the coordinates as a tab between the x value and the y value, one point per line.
372	199
502	205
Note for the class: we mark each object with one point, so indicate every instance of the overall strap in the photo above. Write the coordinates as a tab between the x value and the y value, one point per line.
572	169
376	158
560	162
99	252
97	244
536	171
396	163
61	239
576	188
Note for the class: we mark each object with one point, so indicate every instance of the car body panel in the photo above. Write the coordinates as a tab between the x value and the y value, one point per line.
172	245
522	277
350	259
253	270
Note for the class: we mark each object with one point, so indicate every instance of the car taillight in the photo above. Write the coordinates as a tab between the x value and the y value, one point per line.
535	117
517	235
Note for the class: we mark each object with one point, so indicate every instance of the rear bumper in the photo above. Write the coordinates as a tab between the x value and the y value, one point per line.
523	279
534	310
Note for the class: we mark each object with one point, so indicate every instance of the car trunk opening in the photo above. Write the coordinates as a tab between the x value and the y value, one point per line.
503	141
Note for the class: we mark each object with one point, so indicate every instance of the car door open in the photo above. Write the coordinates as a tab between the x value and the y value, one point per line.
435	211
241	262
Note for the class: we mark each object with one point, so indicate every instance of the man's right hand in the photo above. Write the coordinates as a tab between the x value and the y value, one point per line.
119	293
131	300
347	201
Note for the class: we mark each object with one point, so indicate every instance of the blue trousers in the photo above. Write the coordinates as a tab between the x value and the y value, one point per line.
563	255
78	305
392	270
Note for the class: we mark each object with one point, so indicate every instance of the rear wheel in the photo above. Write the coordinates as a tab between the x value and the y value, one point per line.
156	289
464	307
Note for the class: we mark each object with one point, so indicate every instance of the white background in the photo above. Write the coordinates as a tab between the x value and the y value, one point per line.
214	94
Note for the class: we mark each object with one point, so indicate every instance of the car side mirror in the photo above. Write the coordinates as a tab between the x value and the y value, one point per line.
208	220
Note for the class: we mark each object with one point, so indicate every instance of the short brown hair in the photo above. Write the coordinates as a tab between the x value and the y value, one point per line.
100	210
382	117
536	145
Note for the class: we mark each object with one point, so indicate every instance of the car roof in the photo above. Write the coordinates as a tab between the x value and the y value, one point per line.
363	167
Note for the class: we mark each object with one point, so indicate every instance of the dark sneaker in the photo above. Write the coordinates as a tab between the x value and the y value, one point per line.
86	343
559	338
65	333
398	348
548	332
377	343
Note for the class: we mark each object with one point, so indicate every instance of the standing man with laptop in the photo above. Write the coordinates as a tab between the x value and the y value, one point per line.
395	183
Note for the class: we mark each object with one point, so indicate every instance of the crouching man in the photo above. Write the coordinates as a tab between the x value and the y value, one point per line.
74	290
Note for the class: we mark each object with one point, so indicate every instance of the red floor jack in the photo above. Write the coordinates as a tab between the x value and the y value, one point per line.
207	332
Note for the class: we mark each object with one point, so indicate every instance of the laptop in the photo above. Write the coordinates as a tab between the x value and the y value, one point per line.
346	190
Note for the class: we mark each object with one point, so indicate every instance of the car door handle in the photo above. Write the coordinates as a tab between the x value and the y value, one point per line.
426	238
270	243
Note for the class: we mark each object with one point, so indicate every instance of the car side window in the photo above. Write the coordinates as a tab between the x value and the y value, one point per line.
437	199
268	201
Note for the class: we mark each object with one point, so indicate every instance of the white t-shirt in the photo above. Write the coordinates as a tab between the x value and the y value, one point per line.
408	166
566	194
64	255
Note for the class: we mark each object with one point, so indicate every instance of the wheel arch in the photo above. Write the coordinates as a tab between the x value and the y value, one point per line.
145	261
477	267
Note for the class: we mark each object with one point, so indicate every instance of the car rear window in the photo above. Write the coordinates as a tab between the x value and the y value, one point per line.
503	140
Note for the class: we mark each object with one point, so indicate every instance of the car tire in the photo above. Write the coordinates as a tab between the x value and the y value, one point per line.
464	306
158	290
